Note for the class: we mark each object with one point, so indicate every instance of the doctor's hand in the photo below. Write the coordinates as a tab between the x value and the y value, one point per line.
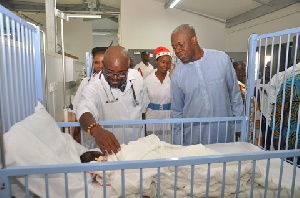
107	142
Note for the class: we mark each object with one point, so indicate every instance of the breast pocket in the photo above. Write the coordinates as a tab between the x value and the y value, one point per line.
216	81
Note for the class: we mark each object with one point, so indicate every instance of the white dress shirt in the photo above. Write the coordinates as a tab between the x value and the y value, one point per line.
146	70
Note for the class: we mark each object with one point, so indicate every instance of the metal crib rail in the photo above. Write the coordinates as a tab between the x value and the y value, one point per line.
20	70
277	47
47	170
135	124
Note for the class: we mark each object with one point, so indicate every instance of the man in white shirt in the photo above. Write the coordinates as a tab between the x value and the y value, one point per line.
118	94
281	79
144	67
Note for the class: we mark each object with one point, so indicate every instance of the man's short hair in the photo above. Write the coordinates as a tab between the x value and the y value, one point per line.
144	52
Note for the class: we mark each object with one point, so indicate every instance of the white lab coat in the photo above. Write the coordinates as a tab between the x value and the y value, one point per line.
83	83
159	93
96	94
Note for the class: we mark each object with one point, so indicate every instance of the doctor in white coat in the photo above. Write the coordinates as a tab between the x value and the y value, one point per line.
118	94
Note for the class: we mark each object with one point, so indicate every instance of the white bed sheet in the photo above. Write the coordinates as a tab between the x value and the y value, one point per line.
244	147
150	148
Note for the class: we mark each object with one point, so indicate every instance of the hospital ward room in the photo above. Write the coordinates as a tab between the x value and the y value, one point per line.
149	98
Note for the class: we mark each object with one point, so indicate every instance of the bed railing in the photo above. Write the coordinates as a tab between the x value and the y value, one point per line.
20	70
47	171
232	125
282	50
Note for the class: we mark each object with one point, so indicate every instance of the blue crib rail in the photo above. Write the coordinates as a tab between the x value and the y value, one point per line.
133	125
20	69
48	170
277	47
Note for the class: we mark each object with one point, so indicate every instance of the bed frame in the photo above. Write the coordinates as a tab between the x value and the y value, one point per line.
22	84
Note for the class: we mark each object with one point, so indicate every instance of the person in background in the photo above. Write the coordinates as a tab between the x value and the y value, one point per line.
274	96
118	94
281	77
144	67
98	54
240	70
203	85
158	89
265	106
131	65
286	124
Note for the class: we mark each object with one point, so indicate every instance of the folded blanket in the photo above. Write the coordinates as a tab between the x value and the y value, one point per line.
151	147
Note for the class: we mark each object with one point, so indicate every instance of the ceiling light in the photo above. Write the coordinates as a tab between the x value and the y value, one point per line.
174	3
101	33
171	3
90	16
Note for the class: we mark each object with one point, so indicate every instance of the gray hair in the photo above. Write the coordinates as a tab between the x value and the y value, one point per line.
186	29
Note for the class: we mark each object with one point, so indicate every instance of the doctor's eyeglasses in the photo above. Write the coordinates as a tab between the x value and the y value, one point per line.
110	74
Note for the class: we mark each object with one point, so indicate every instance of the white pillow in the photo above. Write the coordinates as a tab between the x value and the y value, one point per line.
38	140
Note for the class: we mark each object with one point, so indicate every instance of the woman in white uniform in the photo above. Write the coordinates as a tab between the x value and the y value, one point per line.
158	89
98	54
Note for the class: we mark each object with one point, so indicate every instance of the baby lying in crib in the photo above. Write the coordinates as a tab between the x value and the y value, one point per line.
92	156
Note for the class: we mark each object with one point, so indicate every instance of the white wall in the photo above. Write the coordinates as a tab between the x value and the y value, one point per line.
77	37
146	25
286	18
106	40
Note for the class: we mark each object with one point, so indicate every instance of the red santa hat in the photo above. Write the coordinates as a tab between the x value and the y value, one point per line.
161	51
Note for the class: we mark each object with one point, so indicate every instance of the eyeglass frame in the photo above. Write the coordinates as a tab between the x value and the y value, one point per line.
110	74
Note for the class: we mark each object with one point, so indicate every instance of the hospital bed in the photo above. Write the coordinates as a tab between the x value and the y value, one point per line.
39	159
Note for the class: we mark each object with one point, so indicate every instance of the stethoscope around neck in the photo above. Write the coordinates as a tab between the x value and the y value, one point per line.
114	99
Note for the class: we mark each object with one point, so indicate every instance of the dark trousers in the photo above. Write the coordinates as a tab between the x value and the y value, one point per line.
269	133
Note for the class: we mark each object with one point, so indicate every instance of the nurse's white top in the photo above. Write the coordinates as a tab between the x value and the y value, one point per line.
96	94
83	83
158	93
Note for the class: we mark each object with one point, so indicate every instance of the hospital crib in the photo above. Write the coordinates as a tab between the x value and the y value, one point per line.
22	87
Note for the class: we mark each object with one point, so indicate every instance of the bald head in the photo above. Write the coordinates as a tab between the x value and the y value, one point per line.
115	65
116	53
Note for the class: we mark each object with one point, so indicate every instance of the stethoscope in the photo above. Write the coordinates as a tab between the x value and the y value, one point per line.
114	99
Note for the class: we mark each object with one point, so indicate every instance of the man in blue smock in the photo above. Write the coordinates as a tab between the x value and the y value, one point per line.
204	84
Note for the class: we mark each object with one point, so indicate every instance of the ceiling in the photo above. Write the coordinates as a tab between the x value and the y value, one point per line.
230	12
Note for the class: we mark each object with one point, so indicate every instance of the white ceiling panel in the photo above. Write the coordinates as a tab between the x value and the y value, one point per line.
224	9
231	12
